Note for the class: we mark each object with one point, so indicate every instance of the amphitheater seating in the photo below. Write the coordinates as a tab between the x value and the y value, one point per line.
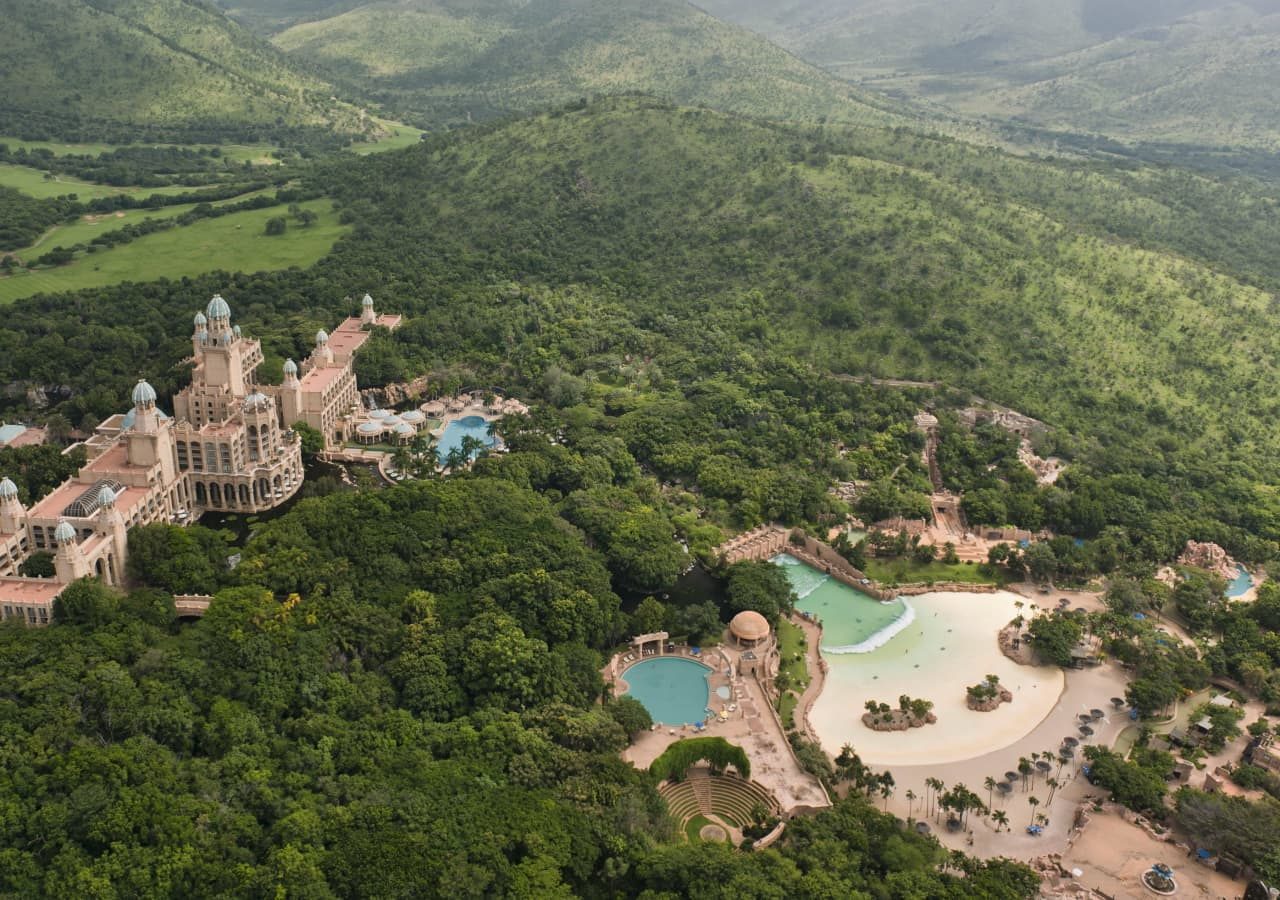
728	797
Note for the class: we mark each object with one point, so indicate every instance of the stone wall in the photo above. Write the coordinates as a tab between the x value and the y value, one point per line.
912	590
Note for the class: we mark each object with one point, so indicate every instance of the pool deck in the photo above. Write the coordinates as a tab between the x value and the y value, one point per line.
752	725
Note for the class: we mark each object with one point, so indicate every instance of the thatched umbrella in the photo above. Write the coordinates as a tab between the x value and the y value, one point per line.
1070	741
1085	717
1097	714
1086	730
1012	776
1043	765
1117	702
1004	787
922	828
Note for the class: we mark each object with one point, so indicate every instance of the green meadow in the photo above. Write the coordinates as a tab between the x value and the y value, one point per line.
401	136
39	184
233	243
86	228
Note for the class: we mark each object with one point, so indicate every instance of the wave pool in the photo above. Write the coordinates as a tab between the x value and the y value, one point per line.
852	622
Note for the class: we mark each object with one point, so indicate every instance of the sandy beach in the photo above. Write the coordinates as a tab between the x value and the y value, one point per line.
950	645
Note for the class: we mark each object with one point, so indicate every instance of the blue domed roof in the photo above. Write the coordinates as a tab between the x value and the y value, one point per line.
322	337
8	490
290	367
143	393
256	400
369	428
106	498
404	428
225	340
201	321
367	301
64	532
218	308
236	331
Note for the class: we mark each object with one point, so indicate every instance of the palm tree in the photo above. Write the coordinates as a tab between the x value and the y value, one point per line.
886	789
1001	818
1024	769
1033	803
911	798
990	785
938	788
1053	786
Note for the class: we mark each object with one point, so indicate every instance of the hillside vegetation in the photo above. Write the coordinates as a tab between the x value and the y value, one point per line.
453	61
1186	71
85	69
639	243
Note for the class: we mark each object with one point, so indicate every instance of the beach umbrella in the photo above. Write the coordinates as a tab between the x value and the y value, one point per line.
1117	702
1086	730
1066	753
1043	766
922	827
1070	741
1085	717
1004	787
1011	776
1096	713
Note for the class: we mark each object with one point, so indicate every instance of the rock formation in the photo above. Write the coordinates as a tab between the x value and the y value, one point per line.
1208	556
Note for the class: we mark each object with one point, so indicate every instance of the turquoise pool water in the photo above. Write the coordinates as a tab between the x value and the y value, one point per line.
674	690
852	622
1241	584
455	431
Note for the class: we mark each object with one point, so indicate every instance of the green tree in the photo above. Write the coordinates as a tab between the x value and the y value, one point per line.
760	587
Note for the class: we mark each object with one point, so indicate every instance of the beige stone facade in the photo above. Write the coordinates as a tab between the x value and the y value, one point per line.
229	447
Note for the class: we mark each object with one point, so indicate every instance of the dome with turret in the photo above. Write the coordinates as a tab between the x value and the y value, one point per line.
106	498
367	302
201	321
322	337
8	490
65	533
256	400
218	308
143	393
290	367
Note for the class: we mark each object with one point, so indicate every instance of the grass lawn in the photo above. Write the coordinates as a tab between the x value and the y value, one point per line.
86	228
34	183
694	825
401	136
907	571
234	243
791	641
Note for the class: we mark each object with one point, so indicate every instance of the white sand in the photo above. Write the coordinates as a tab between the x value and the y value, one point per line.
951	645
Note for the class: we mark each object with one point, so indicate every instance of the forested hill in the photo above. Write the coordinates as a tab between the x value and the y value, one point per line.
1194	72
628	239
456	61
117	70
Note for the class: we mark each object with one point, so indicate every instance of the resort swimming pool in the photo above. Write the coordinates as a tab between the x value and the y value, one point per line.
673	689
455	431
852	622
1241	584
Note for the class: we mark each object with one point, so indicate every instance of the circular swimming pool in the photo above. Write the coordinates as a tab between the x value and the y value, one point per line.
674	690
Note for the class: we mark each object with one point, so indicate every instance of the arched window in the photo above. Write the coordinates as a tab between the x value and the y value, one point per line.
215	495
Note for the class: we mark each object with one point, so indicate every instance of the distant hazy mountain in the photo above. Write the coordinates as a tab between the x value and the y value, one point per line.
1197	71
159	63
459	60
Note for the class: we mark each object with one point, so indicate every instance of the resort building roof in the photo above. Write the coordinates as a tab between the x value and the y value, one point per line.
749	625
